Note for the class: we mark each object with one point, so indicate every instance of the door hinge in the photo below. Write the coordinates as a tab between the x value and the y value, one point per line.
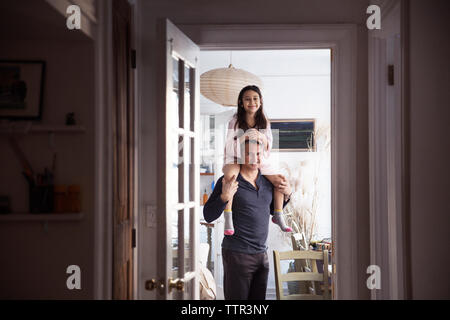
391	75
133	59
133	238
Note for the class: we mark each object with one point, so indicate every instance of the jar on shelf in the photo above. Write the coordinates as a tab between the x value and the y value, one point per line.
74	197
60	198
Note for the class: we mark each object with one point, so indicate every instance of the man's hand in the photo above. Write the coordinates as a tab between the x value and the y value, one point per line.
229	188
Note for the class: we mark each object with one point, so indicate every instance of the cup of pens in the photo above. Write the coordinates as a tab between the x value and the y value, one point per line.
40	185
41	193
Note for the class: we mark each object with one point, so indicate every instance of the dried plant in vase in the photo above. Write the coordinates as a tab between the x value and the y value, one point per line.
301	212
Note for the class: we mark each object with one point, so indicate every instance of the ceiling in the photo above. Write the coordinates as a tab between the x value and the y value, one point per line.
34	20
269	65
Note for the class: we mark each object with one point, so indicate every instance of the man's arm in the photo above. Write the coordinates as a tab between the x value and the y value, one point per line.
215	205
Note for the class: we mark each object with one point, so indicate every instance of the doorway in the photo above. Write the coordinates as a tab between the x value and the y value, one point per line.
296	88
341	40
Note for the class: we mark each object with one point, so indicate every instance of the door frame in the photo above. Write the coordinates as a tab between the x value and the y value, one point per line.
103	239
389	155
341	38
103	156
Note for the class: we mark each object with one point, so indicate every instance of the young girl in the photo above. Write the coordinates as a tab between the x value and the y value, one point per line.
250	115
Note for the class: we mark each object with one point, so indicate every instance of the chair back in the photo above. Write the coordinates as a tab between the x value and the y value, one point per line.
315	275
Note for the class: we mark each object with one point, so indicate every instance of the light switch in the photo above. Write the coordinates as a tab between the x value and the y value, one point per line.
150	215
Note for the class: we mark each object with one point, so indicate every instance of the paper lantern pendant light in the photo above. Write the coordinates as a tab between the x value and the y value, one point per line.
223	85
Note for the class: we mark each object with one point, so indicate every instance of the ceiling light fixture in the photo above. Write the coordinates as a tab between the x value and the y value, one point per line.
223	85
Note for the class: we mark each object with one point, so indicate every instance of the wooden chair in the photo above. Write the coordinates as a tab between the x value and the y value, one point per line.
301	276
299	243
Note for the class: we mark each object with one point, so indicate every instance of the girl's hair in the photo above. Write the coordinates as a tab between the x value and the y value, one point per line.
260	118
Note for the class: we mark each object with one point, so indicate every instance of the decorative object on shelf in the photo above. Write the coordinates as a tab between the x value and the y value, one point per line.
210	166
294	135
205	197
60	197
74	195
222	85
40	185
324	244
5	205
70	119
41	198
21	89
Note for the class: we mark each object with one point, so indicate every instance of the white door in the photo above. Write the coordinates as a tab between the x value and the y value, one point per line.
178	166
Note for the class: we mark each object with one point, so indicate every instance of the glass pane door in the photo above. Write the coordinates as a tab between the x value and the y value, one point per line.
178	267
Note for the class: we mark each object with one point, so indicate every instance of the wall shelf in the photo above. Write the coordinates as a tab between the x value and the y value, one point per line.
41	128
57	129
44	217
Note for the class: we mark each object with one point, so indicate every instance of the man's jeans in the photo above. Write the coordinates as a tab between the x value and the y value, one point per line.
245	275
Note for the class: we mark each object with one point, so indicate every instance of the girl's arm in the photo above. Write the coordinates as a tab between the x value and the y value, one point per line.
230	150
268	136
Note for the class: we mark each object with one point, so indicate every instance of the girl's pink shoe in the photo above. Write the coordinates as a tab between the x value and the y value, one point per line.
229	232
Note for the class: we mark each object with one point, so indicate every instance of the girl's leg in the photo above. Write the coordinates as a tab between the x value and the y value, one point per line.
278	218
278	199
229	170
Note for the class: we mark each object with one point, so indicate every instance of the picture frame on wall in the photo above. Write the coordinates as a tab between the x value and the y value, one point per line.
21	89
294	135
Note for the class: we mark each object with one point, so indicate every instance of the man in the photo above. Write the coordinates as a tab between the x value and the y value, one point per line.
244	254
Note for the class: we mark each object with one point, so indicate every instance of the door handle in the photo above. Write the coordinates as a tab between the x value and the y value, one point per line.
154	284
177	284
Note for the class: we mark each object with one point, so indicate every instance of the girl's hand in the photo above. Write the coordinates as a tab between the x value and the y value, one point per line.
264	139
254	134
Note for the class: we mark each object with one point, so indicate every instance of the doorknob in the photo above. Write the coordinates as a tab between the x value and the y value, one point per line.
176	284
153	284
